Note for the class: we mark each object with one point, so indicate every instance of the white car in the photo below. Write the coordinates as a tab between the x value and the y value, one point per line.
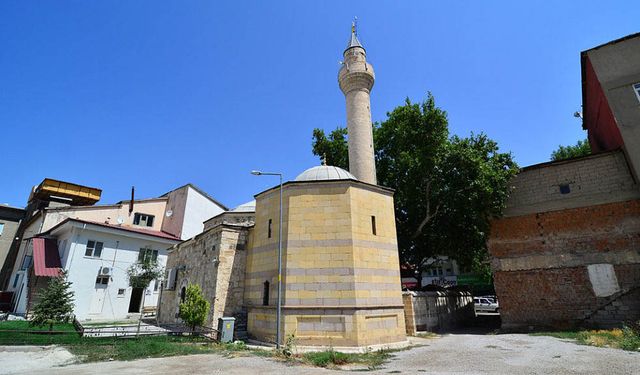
485	305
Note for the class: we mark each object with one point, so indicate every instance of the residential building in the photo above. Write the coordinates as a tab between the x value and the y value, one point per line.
117	233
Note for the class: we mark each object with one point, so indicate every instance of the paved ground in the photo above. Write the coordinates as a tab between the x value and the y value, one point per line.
451	354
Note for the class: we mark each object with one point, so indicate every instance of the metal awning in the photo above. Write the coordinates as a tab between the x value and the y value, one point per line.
46	261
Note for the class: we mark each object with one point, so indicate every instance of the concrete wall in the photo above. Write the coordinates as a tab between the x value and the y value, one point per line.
616	66
563	261
436	311
110	214
198	209
10	219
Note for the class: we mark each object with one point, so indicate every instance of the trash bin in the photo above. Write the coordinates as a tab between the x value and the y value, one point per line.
225	328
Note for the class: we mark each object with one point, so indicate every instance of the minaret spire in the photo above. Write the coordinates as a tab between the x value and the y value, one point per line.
356	79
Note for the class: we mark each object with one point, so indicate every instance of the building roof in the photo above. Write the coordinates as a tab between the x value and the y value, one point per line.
76	194
323	173
46	261
143	231
202	192
630	36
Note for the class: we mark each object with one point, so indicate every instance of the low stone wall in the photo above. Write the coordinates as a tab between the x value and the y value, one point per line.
436	311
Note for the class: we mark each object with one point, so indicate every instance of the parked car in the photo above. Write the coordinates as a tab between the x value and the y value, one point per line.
485	305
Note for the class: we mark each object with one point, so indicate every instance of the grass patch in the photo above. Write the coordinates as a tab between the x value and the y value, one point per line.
331	358
427	335
617	338
96	349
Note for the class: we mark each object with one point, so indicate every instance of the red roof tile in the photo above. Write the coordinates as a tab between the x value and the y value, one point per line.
46	261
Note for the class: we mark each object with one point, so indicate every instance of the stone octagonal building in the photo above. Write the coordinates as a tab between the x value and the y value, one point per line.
340	262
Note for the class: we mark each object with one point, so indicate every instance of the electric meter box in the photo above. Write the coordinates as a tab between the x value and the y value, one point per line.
225	329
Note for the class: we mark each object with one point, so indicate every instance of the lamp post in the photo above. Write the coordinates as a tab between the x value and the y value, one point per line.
279	303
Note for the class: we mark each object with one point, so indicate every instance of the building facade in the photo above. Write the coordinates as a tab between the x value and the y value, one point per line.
565	254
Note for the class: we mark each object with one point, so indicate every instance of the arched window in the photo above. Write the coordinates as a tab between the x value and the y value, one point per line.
183	294
265	294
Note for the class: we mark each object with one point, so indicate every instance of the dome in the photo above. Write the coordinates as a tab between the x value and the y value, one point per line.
246	207
324	172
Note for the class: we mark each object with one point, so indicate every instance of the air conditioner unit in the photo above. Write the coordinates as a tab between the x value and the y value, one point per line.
105	271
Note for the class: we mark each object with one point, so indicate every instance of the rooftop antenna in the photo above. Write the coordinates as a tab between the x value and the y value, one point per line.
354	25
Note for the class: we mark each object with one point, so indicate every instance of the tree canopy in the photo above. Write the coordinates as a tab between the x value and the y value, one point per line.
55	304
581	148
447	188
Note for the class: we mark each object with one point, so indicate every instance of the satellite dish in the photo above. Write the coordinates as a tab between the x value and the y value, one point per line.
120	220
169	213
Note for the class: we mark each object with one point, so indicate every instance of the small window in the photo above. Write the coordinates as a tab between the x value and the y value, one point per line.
1	228
636	88
156	284
373	225
183	294
94	249
449	273
143	219
269	229
26	262
15	281
147	255
104	280
121	292
265	294
565	189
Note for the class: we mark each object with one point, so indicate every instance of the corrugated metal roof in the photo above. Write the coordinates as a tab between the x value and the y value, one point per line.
46	261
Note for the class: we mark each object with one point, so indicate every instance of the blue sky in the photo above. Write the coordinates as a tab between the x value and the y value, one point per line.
156	94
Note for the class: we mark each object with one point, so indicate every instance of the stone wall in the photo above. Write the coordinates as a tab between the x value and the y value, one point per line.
341	278
569	260
436	311
215	260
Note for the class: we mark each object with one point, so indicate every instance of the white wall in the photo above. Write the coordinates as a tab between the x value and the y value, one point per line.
198	209
119	252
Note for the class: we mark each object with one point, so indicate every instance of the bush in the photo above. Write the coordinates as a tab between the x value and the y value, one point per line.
195	308
630	340
55	304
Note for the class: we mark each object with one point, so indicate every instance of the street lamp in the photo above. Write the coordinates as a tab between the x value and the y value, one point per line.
279	303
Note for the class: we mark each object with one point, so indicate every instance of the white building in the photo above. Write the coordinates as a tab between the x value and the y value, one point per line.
119	231
96	257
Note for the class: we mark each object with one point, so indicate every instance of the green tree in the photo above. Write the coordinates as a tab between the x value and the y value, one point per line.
447	188
195	308
140	276
582	148
55	304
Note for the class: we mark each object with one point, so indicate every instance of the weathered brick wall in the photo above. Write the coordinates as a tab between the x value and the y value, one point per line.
542	260
596	179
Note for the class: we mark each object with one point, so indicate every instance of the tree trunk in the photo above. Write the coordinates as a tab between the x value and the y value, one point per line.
144	293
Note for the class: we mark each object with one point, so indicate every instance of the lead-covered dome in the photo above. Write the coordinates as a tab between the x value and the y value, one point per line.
324	172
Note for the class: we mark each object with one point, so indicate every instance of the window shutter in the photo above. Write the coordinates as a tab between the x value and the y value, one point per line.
167	285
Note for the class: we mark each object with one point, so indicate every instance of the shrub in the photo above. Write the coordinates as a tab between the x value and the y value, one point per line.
55	304
195	308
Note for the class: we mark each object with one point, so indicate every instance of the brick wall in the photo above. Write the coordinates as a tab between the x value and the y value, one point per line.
596	179
541	263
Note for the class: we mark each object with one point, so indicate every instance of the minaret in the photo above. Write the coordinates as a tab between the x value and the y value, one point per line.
356	80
